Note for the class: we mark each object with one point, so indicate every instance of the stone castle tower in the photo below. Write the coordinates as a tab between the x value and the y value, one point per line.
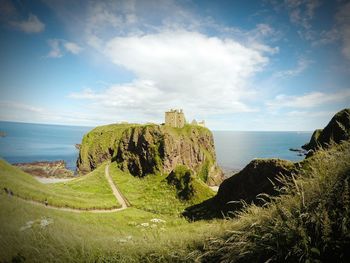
175	118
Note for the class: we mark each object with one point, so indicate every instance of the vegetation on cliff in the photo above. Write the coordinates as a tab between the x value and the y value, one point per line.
99	145
337	130
151	149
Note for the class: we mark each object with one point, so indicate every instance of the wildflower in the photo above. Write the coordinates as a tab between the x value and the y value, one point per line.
157	220
45	222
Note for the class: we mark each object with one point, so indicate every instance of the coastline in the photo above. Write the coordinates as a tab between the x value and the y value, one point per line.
46	169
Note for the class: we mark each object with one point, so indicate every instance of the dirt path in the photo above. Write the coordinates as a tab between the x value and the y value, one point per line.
118	195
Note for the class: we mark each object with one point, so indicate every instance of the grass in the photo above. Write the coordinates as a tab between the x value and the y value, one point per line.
91	191
152	193
310	222
88	237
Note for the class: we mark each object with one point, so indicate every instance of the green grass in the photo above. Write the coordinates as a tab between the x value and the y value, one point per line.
310	222
87	192
90	237
152	193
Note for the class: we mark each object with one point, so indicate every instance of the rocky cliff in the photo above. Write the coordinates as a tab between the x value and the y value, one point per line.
259	176
337	130
151	149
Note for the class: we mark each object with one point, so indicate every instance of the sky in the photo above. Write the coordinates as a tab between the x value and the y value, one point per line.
239	65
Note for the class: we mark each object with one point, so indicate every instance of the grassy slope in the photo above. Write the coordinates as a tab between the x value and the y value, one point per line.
90	237
90	191
152	193
310	223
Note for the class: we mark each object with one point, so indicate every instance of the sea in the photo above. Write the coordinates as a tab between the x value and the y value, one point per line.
27	142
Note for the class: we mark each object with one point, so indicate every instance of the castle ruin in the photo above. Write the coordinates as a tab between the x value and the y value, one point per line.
175	118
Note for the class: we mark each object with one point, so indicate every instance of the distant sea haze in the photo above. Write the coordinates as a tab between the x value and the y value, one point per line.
26	142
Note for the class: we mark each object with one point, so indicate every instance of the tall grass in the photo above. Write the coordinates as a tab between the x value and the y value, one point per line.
309	222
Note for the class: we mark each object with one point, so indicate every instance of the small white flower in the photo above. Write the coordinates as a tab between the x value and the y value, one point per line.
157	220
45	222
145	224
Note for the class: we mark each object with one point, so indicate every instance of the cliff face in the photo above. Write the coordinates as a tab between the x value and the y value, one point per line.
337	130
259	176
149	149
99	145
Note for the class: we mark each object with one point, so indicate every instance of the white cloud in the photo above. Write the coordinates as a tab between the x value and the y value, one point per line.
57	46
72	47
309	100
31	25
310	114
19	106
179	69
302	65
55	51
23	112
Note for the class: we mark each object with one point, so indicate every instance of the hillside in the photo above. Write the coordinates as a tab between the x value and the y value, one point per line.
151	149
309	222
154	194
89	192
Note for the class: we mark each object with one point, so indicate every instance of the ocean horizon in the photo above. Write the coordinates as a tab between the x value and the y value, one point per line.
30	142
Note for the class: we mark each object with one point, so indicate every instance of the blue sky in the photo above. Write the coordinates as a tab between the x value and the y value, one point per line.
239	65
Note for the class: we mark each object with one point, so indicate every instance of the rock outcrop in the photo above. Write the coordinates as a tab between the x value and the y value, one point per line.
55	169
152	149
337	130
258	177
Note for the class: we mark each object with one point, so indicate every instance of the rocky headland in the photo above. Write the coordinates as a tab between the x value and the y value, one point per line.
151	149
337	130
56	169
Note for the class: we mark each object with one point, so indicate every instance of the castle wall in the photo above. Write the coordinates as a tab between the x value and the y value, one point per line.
175	118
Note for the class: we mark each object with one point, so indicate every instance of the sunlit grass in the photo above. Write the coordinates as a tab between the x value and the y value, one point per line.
126	236
152	193
86	192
